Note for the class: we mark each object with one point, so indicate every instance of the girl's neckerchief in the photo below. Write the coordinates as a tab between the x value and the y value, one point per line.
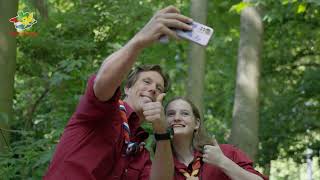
196	165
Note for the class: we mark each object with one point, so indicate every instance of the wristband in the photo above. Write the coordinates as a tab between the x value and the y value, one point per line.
165	136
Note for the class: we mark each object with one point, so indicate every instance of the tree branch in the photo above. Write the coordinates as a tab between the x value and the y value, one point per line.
33	108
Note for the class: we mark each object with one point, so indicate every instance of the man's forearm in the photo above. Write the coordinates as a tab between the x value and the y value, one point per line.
114	69
162	165
235	172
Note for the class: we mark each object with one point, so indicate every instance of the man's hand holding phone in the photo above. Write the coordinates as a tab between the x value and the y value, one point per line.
199	34
162	24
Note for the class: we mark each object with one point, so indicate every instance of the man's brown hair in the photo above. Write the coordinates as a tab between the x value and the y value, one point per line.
134	74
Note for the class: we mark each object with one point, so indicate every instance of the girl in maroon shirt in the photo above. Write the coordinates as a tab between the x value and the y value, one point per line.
198	157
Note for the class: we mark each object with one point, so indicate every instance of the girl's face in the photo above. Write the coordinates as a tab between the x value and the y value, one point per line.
180	117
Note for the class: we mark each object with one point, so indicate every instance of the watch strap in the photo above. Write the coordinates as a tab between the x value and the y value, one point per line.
165	136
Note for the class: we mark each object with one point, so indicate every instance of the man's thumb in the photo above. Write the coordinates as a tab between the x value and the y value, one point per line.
214	141
160	97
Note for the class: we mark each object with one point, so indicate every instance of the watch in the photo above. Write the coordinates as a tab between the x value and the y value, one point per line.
165	136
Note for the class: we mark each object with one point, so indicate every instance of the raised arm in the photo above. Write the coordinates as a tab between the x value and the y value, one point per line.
162	165
115	67
235	172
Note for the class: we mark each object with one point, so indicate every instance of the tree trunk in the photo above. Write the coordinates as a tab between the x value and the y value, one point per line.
42	7
244	132
8	9
197	58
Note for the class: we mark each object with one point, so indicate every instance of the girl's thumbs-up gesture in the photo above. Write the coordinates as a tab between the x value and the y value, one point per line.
212	154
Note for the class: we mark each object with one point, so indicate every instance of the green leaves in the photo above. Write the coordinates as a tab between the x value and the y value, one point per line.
301	8
284	2
52	69
239	7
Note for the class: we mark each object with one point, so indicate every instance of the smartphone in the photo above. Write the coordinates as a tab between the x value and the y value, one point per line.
199	34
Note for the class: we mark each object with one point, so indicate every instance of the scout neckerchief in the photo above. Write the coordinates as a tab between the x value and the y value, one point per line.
132	147
195	169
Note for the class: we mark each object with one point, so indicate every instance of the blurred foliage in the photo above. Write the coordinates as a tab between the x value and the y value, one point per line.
52	69
290	98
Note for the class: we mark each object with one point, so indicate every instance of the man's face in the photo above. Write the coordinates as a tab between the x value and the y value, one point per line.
146	89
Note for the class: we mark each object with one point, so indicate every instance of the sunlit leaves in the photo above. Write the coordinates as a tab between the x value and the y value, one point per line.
239	7
284	2
101	33
301	8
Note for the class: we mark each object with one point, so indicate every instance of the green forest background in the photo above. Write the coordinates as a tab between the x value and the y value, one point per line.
74	36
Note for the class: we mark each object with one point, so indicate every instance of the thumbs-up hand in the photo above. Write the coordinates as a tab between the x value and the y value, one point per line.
153	112
160	98
212	154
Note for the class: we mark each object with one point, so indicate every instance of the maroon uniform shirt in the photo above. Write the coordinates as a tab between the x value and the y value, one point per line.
210	172
92	145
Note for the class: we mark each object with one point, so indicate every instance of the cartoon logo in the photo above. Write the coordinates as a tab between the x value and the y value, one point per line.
23	21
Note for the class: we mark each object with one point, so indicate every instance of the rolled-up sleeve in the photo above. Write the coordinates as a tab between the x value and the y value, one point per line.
245	162
90	108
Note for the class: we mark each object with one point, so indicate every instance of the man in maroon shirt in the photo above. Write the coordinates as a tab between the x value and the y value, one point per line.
103	139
